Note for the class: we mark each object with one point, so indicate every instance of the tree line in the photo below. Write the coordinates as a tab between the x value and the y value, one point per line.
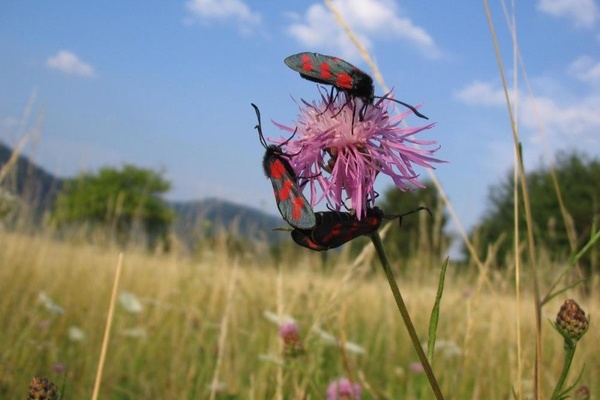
564	207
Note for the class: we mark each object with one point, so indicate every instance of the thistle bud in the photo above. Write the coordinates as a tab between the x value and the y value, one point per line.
571	320
583	393
290	334
42	389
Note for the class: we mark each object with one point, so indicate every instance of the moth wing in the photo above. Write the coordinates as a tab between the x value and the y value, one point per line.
303	238
324	69
293	206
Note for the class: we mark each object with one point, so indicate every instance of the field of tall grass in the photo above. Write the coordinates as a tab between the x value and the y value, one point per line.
208	326
100	322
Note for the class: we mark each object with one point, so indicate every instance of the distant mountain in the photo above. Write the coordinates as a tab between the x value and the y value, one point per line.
194	219
31	183
199	218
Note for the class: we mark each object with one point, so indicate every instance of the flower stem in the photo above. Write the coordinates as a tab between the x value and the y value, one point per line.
569	353
405	316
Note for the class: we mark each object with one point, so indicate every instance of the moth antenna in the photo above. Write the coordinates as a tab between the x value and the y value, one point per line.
400	216
412	108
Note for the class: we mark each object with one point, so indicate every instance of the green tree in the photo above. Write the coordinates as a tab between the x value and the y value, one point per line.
418	232
578	177
118	202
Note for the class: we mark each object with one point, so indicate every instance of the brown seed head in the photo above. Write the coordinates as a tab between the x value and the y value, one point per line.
42	389
571	319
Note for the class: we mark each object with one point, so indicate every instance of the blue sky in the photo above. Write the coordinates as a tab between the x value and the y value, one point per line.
169	85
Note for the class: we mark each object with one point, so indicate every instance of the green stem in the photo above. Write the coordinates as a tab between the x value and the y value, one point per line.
405	316
569	354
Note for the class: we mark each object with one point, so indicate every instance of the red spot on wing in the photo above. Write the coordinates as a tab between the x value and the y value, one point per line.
325	71
344	81
336	230
306	62
278	170
313	246
373	223
303	239
341	233
298	208
352	231
286	190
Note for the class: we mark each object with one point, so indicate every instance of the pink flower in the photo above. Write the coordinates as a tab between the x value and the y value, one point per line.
290	333
59	368
340	155
416	367
288	330
343	389
43	324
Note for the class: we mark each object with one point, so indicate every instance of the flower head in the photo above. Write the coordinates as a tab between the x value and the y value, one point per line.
346	344
59	368
583	393
131	303
50	304
290	334
343	389
416	367
76	334
571	321
341	154
42	389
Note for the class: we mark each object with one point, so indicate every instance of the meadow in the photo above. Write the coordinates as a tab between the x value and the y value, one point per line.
207	326
253	324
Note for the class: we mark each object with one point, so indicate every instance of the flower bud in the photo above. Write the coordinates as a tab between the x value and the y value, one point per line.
42	389
290	334
583	393
571	320
343	388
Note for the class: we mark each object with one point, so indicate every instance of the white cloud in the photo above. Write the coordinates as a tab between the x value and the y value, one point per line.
221	10
566	122
68	63
565	125
583	13
481	93
586	69
367	18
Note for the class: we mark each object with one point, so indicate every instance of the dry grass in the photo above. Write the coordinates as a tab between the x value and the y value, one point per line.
185	302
